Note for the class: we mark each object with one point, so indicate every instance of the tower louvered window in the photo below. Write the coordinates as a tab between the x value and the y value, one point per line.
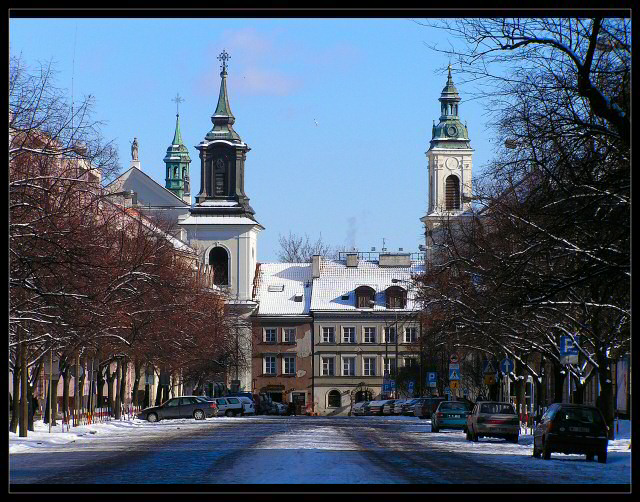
452	193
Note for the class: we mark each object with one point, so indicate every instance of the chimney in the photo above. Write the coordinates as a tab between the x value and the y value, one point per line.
315	266
352	259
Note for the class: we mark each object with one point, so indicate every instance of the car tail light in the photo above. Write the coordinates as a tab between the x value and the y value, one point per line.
439	414
550	426
213	405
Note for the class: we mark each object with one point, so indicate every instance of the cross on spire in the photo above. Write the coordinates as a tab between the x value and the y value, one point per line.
224	57
177	100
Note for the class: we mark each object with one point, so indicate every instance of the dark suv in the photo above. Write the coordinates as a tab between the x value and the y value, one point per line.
571	428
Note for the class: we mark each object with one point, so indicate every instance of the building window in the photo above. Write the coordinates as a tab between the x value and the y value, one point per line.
369	366
390	365
410	362
328	366
396	297
348	366
289	335
333	399
289	363
410	335
452	193
219	261
269	365
328	335
220	178
390	334
349	335
365	297
369	335
271	335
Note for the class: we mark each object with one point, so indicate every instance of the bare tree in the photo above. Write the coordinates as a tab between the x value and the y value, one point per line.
295	248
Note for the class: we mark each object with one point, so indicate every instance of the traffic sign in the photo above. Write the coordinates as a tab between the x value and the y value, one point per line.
411	384
568	350
454	384
454	374
447	390
506	365
489	367
432	378
453	358
489	379
393	384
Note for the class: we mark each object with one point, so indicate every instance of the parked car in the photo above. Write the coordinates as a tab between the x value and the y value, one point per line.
279	408
180	407
358	408
450	415
493	419
229	406
408	405
396	408
366	408
387	408
571	428
375	407
426	407
248	405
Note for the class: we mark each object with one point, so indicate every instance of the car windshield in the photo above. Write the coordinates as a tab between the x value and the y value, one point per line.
582	415
497	409
454	406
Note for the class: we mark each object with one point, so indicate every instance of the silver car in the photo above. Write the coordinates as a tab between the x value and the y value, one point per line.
493	419
179	407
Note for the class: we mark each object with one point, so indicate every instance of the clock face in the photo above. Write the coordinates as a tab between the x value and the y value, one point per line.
451	163
452	131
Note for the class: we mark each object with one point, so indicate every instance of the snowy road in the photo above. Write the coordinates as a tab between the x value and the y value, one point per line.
310	450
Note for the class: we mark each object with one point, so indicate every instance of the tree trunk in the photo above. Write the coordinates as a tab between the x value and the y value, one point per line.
606	404
158	395
80	397
110	379
15	398
24	400
137	367
66	381
519	389
100	385
54	400
558	382
123	383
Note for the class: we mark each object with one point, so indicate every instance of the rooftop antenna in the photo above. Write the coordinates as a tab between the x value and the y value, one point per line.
383	245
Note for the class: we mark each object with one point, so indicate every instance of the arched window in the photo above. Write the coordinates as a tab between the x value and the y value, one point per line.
452	193
219	261
363	395
365	297
396	297
333	399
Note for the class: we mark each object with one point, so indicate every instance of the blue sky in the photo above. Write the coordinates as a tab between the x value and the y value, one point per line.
372	85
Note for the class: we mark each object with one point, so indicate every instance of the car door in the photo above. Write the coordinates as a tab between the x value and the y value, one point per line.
541	426
188	406
171	408
222	405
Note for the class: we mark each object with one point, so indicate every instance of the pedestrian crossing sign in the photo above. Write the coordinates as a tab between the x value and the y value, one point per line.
454	374
489	368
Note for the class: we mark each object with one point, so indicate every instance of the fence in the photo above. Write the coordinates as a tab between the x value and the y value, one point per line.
75	418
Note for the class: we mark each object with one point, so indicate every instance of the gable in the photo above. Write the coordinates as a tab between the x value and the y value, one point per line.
150	193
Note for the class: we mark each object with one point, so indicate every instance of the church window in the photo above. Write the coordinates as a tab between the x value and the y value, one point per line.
452	193
219	261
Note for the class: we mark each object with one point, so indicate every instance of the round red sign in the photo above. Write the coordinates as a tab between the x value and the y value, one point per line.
453	358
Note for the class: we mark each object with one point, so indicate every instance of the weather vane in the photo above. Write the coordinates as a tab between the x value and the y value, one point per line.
224	56
178	100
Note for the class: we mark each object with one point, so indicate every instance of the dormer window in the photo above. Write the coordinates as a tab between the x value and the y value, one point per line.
396	297
365	297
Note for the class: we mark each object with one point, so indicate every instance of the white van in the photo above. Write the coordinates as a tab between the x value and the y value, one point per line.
247	405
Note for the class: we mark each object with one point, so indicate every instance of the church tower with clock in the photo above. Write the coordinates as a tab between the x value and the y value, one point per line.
449	167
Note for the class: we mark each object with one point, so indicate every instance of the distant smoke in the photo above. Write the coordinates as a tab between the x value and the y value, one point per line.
352	229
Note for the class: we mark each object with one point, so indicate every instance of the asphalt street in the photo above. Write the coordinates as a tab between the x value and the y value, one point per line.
276	450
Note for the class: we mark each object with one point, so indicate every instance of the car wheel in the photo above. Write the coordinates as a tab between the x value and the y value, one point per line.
434	428
590	457
546	451
152	417
228	413
198	415
602	457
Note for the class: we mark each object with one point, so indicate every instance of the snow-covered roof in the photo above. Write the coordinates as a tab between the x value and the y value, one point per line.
336	280
195	219
277	286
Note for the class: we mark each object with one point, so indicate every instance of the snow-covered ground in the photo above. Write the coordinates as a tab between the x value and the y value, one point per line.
562	468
